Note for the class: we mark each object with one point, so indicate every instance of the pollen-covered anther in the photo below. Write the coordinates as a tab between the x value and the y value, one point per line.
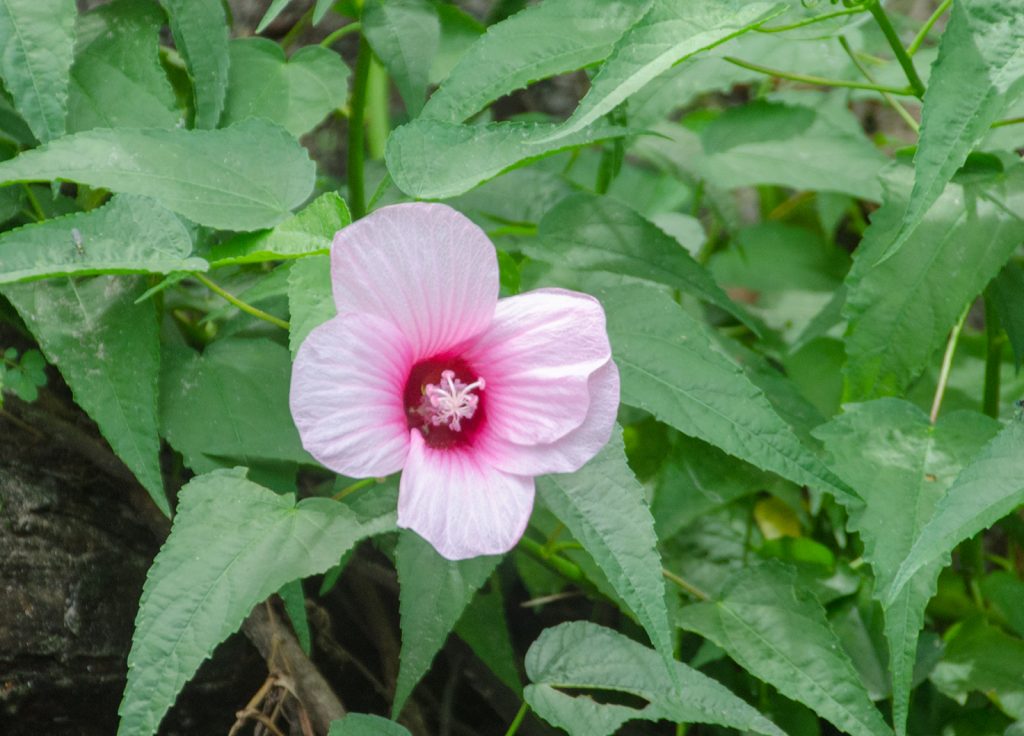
450	401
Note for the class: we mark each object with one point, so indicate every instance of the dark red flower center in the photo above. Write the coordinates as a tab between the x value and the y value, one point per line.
444	399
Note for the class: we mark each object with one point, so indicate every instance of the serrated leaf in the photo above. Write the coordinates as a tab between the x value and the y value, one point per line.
360	724
107	349
309	231
898	461
117	80
229	404
603	507
433	593
244	177
38	42
986	490
310	299
900	310
591	233
981	56
980	657
200	30
405	36
671	369
233	543
779	634
540	41
582	655
295	93
484	627
131	234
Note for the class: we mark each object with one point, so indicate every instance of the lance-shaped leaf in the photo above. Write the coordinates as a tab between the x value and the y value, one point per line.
245	177
405	36
129	235
200	30
360	724
584	656
233	543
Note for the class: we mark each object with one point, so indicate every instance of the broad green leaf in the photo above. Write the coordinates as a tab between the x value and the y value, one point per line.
309	298
1008	299
229	404
459	31
433	592
549	38
585	232
305	233
200	30
981	658
900	310
431	159
233	543
38	42
897	461
669	32
603	507
131	234
987	489
108	351
245	177
117	80
981	57
1003	591
359	724
584	656
295	93
671	368
779	634
405	36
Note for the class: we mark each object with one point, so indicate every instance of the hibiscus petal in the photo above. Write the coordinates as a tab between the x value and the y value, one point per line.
537	357
574	450
461	505
346	395
425	268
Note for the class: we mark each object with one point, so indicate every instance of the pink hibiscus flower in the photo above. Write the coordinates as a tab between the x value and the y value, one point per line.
426	371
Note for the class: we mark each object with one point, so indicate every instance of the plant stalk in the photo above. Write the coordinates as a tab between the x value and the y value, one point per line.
994	341
878	12
947	364
235	301
822	81
923	33
356	133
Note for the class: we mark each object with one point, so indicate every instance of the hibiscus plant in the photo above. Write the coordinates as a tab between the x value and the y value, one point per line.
690	405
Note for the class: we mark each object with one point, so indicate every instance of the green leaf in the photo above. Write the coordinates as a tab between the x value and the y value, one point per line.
276	6
244	177
980	657
38	42
295	93
294	599
669	32
981	57
359	724
1007	289
233	543
433	593
431	159
584	656
542	40
131	234
320	10
900	310
229	404
987	489
485	629
310	300
107	349
200	30
671	368
585	232
405	35
603	507
898	461
117	80
779	634
308	232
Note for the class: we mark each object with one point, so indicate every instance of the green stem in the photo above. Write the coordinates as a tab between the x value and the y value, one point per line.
245	307
377	124
517	721
878	12
892	101
34	202
350	489
947	364
357	113
341	33
994	341
923	33
568	570
685	585
810	79
1008	121
816	19
296	30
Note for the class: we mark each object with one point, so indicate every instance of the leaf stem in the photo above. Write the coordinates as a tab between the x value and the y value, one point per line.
34	202
816	19
244	306
517	721
341	33
811	79
568	570
685	585
296	30
377	124
356	134
892	101
923	33
1008	121
350	489
878	12
947	364
994	342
